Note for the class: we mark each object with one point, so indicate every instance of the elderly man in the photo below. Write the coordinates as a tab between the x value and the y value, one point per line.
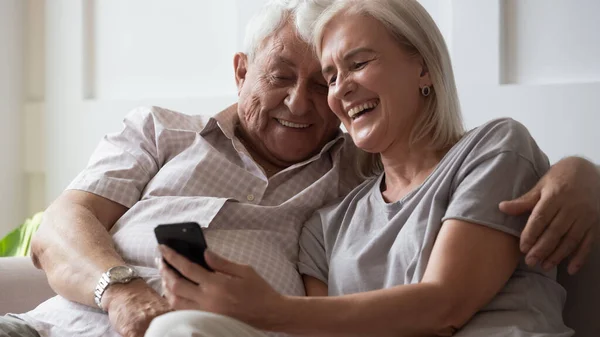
250	176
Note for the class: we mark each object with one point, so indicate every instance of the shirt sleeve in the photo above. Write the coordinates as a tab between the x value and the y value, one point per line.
503	176
123	163
312	255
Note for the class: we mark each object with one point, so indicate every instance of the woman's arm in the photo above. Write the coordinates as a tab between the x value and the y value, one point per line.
469	264
313	286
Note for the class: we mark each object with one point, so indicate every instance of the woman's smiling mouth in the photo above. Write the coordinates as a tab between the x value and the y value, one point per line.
360	109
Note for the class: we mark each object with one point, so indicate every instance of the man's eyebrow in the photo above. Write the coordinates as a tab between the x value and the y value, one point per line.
281	59
348	56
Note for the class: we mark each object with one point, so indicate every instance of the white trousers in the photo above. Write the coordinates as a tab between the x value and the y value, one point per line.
193	323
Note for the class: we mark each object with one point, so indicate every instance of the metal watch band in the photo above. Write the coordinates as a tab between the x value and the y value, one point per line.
101	286
107	280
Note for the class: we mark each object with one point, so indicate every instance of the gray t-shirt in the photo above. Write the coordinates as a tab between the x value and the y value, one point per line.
362	243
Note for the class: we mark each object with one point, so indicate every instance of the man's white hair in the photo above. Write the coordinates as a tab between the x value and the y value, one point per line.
414	29
277	13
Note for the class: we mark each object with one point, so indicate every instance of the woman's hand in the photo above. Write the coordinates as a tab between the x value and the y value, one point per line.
565	214
233	290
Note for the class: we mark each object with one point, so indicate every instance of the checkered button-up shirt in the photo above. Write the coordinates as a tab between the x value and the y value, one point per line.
169	167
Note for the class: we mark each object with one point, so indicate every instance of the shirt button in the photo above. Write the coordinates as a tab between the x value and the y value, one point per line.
250	197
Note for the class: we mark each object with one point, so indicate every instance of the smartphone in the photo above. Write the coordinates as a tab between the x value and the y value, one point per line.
186	238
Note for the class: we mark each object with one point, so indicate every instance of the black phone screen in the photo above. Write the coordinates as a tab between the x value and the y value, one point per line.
185	238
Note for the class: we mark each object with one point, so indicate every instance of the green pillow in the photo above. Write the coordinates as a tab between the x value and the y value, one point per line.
17	242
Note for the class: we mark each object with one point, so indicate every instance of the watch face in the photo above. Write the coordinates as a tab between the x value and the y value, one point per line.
120	273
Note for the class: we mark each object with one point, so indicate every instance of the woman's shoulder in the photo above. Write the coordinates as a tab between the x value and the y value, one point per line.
341	206
503	135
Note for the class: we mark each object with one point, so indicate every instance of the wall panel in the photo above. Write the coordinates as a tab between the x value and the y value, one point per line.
551	42
152	48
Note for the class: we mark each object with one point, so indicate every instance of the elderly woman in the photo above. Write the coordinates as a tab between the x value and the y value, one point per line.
420	248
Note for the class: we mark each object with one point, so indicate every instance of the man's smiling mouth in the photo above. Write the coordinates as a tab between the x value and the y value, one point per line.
292	125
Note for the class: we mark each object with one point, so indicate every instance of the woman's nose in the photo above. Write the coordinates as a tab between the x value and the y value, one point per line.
344	85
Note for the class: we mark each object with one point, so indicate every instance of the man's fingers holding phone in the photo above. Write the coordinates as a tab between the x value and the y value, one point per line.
186	239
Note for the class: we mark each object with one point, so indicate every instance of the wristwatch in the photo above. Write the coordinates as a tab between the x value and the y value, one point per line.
118	274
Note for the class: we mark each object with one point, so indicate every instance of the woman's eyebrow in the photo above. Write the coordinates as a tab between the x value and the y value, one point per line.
355	51
348	56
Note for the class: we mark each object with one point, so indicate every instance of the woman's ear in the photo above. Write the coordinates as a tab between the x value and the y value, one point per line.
425	79
240	66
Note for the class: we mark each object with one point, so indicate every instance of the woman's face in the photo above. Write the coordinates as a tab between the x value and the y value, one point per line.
374	84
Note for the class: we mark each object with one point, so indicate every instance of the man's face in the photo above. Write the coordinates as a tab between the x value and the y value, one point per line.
283	100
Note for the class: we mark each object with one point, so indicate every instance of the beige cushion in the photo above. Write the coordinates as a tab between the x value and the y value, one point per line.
22	286
582	310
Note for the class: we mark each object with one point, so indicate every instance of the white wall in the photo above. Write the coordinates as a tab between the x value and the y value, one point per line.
551	42
537	61
33	111
11	97
176	48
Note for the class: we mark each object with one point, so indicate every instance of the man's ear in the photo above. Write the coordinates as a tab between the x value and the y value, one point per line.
240	66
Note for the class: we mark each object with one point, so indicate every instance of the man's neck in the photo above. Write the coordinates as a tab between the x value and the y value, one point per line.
270	168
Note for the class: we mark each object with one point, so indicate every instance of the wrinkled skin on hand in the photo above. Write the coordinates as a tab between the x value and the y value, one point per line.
131	307
565	214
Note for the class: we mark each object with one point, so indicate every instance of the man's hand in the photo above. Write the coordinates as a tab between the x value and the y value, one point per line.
132	306
565	214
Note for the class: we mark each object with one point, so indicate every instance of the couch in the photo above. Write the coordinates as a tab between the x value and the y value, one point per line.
22	287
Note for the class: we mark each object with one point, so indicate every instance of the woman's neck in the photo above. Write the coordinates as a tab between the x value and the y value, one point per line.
406	167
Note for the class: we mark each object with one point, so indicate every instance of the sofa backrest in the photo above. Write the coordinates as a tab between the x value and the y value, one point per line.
582	309
22	286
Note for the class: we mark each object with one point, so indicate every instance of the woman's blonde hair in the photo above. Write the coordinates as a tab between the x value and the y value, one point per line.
414	29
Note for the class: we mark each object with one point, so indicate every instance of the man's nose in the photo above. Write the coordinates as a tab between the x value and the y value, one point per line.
298	100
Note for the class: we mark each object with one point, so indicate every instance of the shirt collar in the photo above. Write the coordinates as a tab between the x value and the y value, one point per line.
225	120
